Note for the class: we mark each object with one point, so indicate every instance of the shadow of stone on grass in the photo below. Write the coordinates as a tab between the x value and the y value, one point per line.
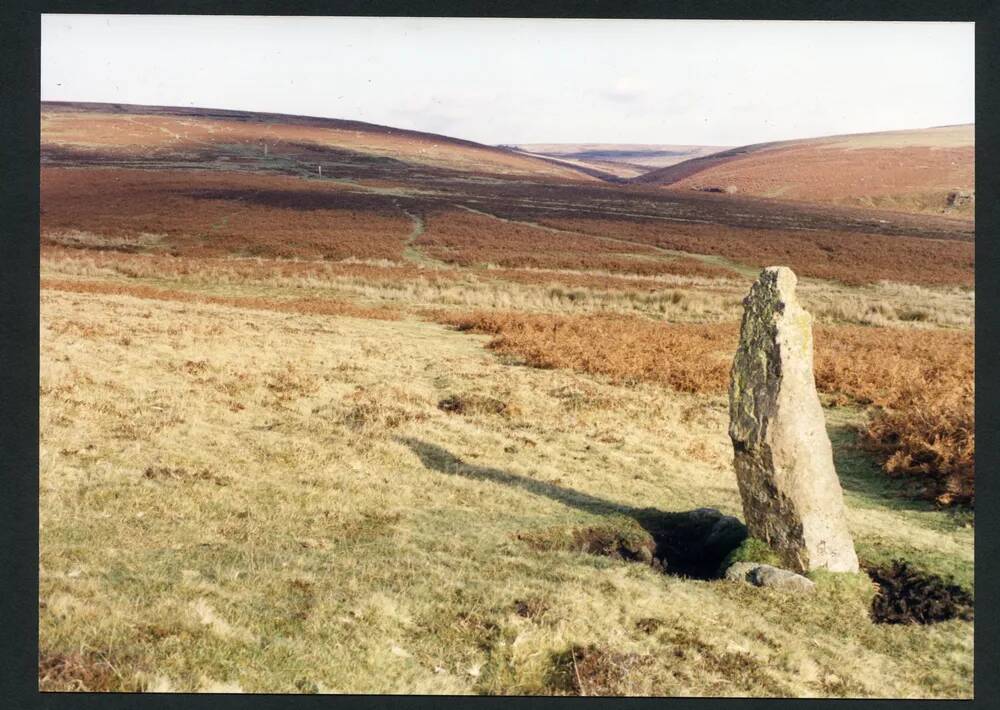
861	476
690	543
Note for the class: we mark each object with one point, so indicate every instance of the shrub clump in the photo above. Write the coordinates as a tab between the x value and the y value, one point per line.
910	596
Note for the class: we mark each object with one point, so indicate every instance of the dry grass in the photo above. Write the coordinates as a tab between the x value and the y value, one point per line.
406	285
358	539
920	378
675	298
265	467
89	672
318	306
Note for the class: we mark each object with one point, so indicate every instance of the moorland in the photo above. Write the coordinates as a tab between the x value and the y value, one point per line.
329	407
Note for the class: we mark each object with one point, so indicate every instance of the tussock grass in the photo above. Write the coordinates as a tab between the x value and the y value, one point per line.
380	282
292	305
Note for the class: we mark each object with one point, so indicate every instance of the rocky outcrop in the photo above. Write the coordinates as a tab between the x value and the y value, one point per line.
792	498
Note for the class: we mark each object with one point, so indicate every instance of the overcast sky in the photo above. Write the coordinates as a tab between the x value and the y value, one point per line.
520	81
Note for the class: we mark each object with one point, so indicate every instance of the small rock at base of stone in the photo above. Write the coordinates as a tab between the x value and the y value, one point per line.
761	575
740	571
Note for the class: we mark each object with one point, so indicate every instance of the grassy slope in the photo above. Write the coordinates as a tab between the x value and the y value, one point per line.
310	520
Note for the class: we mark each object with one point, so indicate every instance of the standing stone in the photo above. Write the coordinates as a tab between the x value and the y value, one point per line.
783	458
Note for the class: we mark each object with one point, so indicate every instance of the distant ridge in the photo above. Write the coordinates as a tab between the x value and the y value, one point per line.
401	143
930	170
625	160
252	116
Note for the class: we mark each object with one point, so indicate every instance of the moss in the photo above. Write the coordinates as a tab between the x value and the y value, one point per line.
752	550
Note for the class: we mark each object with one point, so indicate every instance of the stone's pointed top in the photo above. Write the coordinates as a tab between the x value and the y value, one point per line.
773	290
784	278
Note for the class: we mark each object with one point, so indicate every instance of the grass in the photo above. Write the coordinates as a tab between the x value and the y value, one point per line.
296	534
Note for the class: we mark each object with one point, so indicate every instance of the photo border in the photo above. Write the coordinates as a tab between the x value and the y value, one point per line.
19	325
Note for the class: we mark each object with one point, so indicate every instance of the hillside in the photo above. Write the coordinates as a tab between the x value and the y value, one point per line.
927	171
294	426
222	136
620	159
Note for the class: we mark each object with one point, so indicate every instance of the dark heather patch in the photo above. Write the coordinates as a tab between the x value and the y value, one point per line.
530	608
79	672
591	670
473	404
166	473
908	595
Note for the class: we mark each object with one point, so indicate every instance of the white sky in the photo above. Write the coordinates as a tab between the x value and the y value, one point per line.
521	81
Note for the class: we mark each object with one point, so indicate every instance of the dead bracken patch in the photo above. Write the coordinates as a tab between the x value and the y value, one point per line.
933	441
910	596
686	357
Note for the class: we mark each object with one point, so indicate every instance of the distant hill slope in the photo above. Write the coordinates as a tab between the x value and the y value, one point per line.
622	160
925	171
142	131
